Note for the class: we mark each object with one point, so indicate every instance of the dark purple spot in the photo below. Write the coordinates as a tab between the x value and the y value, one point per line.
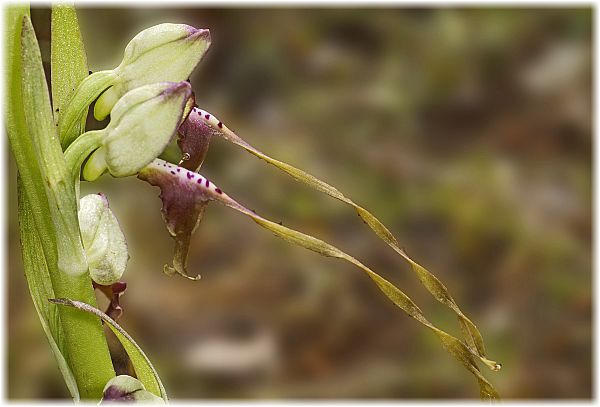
218	191
190	175
220	125
207	183
207	116
199	180
173	172
178	169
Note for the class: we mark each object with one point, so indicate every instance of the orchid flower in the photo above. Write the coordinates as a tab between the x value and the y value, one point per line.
163	53
149	101
185	194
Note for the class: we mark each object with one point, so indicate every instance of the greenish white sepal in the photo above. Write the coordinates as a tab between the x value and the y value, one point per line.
164	52
142	124
103	240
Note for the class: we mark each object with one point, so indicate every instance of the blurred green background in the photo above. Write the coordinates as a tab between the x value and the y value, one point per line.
466	131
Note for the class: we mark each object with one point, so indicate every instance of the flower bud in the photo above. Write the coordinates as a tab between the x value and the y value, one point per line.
142	124
125	388
103	240
163	53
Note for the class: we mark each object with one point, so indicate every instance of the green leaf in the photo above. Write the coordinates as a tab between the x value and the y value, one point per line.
18	133
37	236
68	61
85	345
431	282
40	288
144	370
59	189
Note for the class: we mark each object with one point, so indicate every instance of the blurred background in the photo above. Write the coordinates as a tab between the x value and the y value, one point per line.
466	131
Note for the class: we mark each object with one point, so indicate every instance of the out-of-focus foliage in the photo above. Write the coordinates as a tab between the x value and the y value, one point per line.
466	131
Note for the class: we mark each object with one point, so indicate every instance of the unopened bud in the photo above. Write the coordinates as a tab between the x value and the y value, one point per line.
103	240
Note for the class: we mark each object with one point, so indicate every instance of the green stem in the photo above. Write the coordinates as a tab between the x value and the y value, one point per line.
78	151
88	90
88	353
